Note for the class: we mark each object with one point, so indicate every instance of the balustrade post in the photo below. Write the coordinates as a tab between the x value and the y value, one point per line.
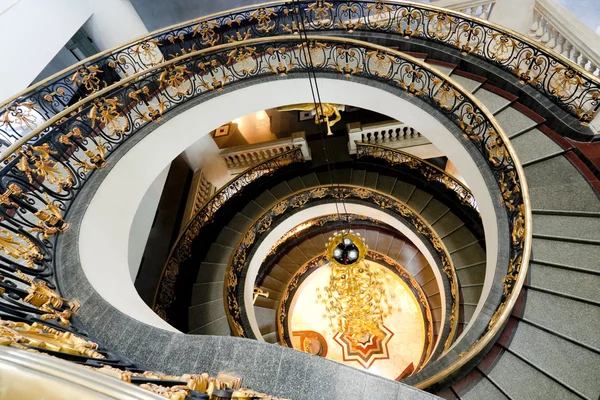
485	12
567	46
553	35
299	139
559	43
547	34
536	23
541	28
354	134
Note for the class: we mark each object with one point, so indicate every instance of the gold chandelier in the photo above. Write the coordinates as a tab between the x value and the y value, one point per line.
356	300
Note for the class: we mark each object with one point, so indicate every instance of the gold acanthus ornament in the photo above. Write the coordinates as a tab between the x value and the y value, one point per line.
26	336
322	112
48	301
23	249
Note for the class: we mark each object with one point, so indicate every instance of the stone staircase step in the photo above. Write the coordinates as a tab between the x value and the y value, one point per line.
402	190
484	389
443	67
205	292
240	223
266	302
471	274
325	177
470	82
298	256
319	241
358	177
564	360
571	318
459	239
310	180
468	256
281	190
567	281
418	200
424	276
435	300
270	337
396	247
218	254
274	286
514	122
309	250
252	210
383	242
288	264
447	224
433	211
266	319
211	272
371	236
466	311
567	226
266	199
555	184
343	175
533	145
406	255
228	237
218	327
371	179
280	274
493	102
296	184
430	287
416	264
385	184
471	294
579	255
202	314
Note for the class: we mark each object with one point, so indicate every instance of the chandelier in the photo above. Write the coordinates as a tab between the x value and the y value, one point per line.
356	300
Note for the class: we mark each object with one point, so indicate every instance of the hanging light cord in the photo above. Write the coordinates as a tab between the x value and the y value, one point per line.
316	96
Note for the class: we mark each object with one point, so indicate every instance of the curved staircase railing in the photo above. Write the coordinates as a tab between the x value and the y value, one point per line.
165	292
242	255
420	166
221	66
564	82
41	180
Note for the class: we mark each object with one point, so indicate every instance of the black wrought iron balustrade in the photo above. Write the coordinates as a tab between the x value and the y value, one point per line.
39	180
429	171
559	79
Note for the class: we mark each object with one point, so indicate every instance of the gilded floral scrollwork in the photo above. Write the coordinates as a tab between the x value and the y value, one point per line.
206	30
21	115
36	162
88	77
264	18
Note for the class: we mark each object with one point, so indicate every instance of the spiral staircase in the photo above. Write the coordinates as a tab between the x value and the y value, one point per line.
528	302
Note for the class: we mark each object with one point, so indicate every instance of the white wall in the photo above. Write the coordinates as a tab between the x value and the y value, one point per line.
32	32
109	216
113	23
204	154
142	222
513	14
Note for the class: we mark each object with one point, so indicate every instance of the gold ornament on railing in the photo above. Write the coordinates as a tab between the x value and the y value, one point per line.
356	299
25	336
